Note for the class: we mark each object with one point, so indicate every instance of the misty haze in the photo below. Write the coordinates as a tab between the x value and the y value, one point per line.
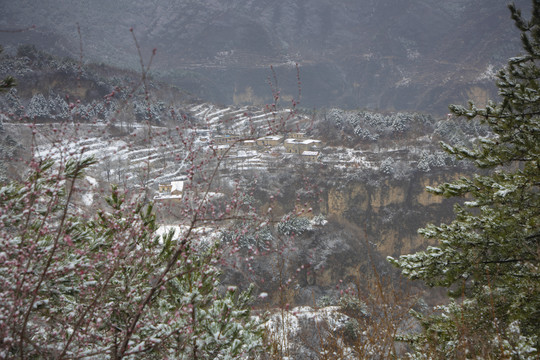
269	179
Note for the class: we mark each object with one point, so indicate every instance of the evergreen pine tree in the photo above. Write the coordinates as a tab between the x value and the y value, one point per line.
489	256
9	81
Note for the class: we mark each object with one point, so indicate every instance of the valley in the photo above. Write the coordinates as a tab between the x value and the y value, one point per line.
251	188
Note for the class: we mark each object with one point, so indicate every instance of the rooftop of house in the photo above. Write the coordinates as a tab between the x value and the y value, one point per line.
302	141
227	136
271	137
177	186
165	197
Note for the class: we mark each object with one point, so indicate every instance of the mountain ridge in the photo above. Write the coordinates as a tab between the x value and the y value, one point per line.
417	55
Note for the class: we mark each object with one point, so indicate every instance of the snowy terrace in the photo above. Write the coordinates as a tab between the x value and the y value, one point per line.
129	159
342	158
244	119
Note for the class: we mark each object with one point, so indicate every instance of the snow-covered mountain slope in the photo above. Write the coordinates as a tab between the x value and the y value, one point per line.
405	55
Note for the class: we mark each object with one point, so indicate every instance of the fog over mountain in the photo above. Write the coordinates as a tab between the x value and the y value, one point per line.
392	54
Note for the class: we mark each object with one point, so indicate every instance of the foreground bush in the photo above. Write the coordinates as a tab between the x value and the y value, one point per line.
106	286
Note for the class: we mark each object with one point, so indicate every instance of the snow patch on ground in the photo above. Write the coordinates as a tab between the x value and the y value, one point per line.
88	198
92	181
287	326
490	73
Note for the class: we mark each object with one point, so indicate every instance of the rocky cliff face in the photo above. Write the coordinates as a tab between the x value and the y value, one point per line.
367	220
391	211
390	54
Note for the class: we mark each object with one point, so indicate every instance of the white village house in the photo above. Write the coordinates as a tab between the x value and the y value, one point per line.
172	191
298	146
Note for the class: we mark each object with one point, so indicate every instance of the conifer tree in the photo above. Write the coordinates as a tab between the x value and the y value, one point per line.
9	81
489	256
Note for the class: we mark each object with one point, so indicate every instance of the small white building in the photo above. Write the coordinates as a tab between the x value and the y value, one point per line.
226	139
297	135
221	150
310	155
172	191
298	146
270	140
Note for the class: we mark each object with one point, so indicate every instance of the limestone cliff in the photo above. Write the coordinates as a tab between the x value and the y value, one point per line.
369	218
390	211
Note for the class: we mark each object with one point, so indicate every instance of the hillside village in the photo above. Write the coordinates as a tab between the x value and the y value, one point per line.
236	136
239	150
254	139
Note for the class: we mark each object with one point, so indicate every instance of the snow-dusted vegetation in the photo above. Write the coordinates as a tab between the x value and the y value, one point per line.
242	184
138	222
